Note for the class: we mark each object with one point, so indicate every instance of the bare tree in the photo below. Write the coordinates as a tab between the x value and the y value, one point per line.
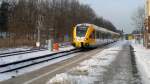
138	18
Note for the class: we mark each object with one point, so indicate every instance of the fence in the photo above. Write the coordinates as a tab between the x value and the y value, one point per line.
9	39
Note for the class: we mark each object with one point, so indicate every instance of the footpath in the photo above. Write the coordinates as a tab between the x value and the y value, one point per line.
142	56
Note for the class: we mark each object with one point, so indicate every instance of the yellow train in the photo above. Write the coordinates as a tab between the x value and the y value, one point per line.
89	35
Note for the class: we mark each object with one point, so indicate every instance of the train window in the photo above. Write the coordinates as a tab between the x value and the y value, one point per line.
97	34
81	31
107	35
104	36
110	36
100	35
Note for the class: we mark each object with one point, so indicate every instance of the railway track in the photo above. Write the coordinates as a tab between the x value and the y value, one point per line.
20	52
14	66
43	74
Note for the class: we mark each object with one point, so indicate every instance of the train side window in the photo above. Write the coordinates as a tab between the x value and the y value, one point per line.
106	35
100	35
103	35
97	34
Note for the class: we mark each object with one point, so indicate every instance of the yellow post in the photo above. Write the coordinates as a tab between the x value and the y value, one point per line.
147	25
147	8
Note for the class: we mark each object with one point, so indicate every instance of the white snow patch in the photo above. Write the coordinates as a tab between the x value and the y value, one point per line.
60	79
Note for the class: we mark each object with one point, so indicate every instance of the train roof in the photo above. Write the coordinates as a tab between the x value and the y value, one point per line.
99	28
104	30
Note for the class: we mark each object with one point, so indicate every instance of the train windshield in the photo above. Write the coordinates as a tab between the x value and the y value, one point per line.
81	31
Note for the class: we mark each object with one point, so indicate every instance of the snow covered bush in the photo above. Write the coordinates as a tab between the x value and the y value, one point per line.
79	70
60	79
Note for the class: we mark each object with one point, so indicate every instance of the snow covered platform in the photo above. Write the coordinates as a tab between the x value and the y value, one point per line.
111	66
142	56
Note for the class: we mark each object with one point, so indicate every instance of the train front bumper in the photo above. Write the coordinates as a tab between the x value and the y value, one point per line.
80	44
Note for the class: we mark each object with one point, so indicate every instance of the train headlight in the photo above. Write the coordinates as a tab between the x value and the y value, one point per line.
85	39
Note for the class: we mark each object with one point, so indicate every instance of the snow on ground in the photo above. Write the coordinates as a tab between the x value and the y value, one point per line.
143	61
9	75
5	76
89	71
8	50
4	60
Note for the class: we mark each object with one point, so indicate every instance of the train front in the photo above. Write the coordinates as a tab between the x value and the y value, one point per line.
80	39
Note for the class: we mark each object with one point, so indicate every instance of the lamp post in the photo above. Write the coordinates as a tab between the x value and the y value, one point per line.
50	39
38	34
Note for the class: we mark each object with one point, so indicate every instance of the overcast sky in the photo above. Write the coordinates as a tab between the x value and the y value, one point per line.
119	12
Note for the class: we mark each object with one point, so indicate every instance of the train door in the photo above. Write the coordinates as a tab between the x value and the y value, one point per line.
92	38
